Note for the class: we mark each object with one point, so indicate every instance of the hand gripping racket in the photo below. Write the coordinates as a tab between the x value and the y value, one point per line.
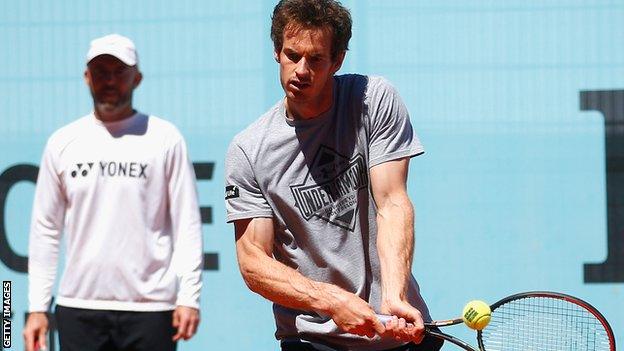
536	321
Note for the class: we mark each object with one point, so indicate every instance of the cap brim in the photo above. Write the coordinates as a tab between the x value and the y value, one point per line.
123	58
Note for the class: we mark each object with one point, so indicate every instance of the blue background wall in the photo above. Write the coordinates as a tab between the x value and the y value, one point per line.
510	195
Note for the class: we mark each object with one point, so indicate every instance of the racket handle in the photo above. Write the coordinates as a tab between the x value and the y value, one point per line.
384	318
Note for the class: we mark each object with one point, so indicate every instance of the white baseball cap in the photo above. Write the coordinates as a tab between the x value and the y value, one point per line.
114	45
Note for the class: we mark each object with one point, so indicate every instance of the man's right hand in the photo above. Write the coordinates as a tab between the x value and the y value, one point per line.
353	315
35	331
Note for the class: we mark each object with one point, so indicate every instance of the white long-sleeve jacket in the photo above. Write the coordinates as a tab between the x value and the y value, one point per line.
124	196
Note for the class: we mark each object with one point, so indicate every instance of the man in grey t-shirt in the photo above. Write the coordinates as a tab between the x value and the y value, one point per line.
316	189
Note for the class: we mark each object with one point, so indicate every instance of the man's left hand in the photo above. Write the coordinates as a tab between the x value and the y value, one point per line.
185	320
400	327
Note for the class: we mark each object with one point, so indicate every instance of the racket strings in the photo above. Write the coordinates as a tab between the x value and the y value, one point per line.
544	324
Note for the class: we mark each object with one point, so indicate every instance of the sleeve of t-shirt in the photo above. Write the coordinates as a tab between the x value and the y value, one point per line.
243	196
46	227
391	133
186	224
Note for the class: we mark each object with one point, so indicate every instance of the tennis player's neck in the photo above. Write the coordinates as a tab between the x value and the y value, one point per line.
114	117
308	110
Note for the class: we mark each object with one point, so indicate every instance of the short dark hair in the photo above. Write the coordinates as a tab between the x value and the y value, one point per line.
312	14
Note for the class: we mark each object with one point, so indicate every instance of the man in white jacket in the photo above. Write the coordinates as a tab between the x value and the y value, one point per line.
119	185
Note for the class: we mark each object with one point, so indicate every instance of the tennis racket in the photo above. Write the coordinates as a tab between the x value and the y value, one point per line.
537	320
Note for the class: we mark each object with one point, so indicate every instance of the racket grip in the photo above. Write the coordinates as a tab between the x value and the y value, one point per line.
384	318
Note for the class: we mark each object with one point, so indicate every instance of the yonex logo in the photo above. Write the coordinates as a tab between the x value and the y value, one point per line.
80	170
111	169
124	169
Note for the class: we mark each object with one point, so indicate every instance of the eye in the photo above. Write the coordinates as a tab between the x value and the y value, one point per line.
294	57
98	72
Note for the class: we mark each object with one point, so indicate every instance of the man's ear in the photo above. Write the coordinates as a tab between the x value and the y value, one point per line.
276	56
87	77
339	60
138	77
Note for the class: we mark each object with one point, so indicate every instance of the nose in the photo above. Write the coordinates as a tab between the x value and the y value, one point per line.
303	68
109	78
105	77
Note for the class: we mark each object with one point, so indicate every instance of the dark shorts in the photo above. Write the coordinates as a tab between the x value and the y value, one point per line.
429	343
102	330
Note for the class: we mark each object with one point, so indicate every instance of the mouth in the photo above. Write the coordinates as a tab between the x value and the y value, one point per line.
299	85
108	98
108	95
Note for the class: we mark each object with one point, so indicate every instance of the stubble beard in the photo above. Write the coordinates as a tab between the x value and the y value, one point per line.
112	107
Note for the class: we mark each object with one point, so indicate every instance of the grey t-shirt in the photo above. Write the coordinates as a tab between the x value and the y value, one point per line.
312	177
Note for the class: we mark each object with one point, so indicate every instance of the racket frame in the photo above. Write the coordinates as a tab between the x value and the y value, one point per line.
431	327
553	295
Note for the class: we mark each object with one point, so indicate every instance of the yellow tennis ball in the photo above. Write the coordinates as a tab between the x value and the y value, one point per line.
476	314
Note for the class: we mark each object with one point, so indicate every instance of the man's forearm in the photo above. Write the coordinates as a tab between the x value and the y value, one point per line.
395	244
42	265
285	286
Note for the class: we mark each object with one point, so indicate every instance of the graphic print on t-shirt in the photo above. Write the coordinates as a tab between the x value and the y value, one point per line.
330	188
